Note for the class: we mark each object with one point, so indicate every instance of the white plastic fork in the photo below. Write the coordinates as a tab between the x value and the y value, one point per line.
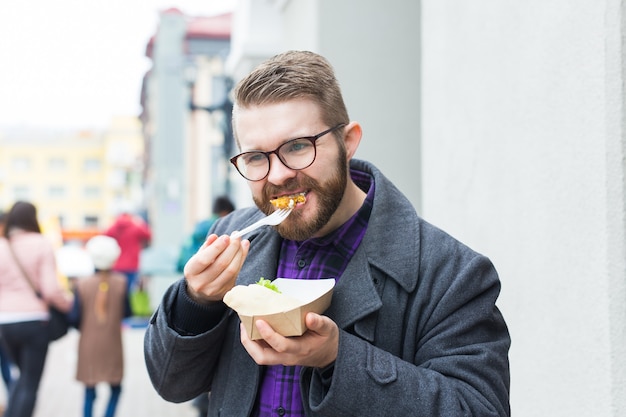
272	220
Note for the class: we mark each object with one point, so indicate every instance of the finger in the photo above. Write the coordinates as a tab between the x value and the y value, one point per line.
213	246
231	259
209	240
319	324
325	329
209	273
265	330
256	348
243	254
245	339
218	254
239	251
220	274
275	340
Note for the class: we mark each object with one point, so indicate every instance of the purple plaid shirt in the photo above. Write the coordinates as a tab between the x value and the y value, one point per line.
325	257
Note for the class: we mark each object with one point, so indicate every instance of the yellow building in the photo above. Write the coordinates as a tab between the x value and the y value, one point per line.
77	180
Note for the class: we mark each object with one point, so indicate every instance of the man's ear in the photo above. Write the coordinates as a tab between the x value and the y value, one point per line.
352	138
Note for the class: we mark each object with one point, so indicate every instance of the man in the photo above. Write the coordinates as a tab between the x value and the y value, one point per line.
412	329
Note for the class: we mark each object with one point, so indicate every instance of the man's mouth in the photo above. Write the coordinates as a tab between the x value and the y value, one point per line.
289	201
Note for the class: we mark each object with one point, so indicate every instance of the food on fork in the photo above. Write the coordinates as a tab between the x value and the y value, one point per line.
288	201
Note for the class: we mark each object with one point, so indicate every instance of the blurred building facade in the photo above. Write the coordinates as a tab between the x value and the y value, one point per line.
185	121
77	180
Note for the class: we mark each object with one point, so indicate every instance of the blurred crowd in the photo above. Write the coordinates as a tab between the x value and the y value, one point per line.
94	298
96	283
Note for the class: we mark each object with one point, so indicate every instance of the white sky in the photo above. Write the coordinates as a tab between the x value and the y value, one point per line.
78	63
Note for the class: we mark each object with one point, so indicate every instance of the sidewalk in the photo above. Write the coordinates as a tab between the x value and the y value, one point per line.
61	395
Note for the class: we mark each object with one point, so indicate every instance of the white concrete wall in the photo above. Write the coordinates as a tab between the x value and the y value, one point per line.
517	120
523	159
374	48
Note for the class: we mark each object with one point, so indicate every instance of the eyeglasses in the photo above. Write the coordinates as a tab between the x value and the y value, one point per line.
295	154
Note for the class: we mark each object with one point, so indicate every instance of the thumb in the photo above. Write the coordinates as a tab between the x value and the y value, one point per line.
318	324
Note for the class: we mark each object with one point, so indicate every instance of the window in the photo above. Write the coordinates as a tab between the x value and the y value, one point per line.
57	164
56	191
21	192
92	165
91	192
20	164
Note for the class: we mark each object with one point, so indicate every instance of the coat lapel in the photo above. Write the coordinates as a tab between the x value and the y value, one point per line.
355	298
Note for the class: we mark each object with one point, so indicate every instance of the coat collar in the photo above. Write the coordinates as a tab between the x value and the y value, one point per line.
393	230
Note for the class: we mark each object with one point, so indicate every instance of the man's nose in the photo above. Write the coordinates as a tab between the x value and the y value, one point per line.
279	172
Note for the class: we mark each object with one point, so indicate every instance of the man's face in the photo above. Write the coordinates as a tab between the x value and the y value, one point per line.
266	127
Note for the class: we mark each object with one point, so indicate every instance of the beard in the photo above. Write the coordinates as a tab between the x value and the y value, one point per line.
329	195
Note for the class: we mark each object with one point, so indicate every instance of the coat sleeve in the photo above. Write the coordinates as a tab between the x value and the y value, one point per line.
453	360
180	362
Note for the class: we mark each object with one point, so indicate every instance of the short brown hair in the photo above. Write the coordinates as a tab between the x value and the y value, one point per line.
294	75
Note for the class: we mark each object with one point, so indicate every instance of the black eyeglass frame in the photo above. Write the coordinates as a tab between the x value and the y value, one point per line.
267	154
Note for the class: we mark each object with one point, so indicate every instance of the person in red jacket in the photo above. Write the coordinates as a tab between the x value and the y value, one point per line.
132	234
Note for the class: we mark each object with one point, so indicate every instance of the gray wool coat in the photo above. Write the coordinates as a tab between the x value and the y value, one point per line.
420	334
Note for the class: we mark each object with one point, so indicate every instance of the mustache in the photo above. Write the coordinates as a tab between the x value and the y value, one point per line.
290	186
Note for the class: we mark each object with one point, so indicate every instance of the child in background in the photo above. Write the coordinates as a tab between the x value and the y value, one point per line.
103	305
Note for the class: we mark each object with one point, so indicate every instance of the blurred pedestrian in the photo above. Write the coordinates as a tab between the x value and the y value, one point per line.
132	234
5	364
25	254
103	305
221	207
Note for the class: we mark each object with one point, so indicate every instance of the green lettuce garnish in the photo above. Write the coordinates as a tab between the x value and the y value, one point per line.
268	284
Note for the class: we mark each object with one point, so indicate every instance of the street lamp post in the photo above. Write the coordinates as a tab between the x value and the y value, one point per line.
225	106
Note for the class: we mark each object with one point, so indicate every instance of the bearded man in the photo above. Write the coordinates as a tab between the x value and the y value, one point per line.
412	329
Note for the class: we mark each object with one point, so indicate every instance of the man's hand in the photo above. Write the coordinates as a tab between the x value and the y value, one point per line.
316	348
212	271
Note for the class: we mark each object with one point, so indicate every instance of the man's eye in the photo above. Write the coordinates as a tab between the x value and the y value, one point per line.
297	145
254	158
